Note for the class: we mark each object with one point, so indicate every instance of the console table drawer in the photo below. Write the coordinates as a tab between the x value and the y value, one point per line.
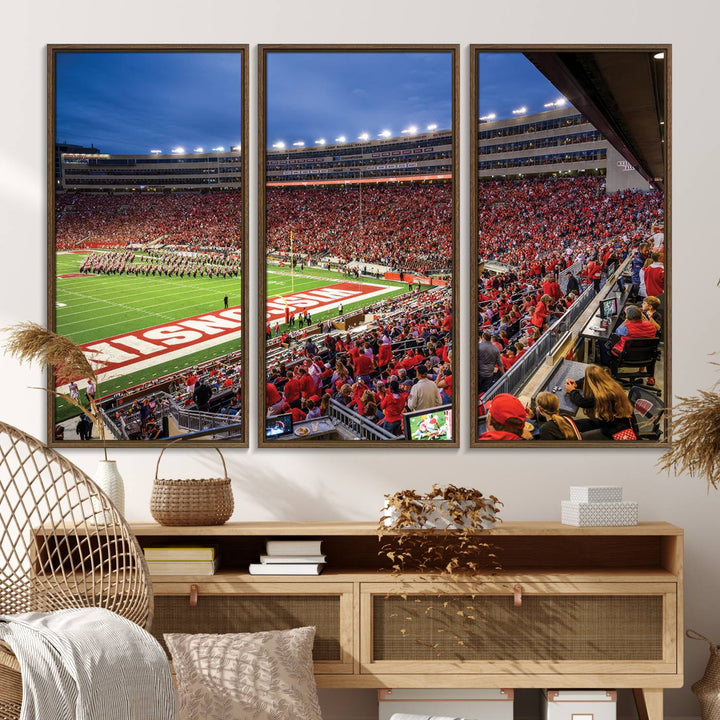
227	607
575	626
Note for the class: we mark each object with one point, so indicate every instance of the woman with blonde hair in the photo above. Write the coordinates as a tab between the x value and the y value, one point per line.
610	413
556	426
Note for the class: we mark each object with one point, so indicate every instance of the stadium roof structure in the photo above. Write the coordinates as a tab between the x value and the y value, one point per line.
622	93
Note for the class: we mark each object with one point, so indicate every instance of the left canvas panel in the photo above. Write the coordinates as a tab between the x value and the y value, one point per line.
147	238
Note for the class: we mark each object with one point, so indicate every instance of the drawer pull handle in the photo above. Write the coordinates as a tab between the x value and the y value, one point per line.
517	593
193	595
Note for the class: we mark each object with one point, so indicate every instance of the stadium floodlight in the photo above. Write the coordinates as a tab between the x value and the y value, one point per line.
384	134
178	151
489	116
280	145
156	152
299	143
341	139
519	111
320	141
659	56
432	127
412	130
560	102
198	149
364	136
219	149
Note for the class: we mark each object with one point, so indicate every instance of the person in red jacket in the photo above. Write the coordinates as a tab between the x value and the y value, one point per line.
655	276
392	405
291	391
505	418
273	399
306	382
384	354
541	312
635	326
594	273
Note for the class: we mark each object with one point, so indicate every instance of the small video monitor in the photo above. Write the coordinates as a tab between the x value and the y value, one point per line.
608	308
278	425
431	424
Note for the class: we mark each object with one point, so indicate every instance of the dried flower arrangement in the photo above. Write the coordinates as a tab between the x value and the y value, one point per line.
32	343
442	533
696	441
439	532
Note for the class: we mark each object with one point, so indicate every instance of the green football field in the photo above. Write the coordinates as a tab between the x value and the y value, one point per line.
93	308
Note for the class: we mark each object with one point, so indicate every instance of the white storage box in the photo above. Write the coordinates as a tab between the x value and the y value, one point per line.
476	704
597	514
579	705
596	493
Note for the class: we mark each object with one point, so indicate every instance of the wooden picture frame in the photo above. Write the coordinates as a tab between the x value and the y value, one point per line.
154	237
283	184
615	102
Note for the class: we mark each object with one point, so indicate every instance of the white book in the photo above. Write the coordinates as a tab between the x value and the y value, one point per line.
290	559
286	569
293	547
183	567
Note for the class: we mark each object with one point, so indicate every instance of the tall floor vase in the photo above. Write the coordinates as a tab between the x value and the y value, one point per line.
707	688
108	479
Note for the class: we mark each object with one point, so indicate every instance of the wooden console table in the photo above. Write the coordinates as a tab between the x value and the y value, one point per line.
571	608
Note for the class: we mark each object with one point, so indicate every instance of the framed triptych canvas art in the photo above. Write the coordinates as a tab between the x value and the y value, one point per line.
358	244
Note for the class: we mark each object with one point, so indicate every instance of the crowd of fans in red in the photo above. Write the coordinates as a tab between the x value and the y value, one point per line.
542	226
190	219
371	371
402	226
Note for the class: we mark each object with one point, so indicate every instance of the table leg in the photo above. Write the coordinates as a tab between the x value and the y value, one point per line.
649	702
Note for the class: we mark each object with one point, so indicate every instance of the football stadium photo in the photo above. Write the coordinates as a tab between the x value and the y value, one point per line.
148	242
569	229
359	227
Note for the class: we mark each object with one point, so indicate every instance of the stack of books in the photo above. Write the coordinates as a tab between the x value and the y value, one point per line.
176	560
290	557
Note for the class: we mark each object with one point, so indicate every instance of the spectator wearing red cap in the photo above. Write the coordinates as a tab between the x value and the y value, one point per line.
505	418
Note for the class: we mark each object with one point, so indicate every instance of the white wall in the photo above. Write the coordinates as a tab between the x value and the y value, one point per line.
346	484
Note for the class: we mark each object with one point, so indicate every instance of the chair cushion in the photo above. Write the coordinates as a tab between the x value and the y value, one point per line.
245	676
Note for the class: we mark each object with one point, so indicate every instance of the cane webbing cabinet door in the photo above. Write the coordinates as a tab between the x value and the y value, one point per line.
527	628
571	607
228	606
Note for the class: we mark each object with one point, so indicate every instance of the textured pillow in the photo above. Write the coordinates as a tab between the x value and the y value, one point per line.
246	676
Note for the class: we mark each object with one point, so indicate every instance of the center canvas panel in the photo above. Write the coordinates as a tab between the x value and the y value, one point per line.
358	223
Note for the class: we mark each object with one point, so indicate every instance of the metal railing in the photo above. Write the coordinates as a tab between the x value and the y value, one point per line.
360	426
518	375
191	420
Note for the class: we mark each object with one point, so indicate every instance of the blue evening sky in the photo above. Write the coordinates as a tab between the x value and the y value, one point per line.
134	102
313	95
508	81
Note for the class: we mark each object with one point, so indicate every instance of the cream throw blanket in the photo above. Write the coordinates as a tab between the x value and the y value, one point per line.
88	664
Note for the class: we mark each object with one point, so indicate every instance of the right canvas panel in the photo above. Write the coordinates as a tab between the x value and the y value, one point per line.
570	227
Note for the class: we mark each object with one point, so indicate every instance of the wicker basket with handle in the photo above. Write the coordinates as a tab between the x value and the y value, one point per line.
203	501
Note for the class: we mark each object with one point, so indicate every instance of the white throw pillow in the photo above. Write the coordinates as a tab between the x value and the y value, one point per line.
246	676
